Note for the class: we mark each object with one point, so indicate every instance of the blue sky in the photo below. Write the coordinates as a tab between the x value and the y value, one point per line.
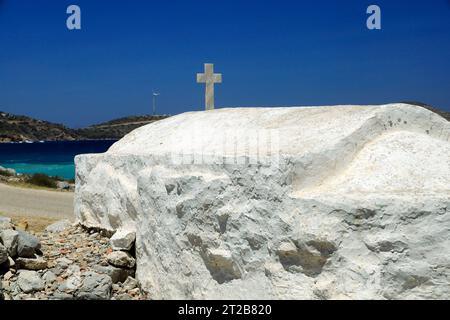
271	53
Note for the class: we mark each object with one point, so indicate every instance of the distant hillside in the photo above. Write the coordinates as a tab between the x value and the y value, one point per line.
14	128
116	129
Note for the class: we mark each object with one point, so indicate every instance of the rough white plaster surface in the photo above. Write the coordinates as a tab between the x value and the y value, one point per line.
342	202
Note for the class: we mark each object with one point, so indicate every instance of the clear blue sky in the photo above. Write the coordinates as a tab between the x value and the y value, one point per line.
271	53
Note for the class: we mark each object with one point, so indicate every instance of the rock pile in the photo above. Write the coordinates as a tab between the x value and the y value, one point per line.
66	262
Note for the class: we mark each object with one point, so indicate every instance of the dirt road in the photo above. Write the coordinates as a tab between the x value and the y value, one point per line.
35	203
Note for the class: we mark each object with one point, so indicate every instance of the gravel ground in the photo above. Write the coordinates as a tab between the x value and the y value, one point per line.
33	202
71	264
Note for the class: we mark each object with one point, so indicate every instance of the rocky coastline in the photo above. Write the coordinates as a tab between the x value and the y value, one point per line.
10	176
23	129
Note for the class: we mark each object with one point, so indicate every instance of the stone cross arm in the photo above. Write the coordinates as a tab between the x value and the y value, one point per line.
209	78
202	78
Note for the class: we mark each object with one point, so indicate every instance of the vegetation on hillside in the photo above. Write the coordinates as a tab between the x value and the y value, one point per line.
20	128
116	129
42	180
15	128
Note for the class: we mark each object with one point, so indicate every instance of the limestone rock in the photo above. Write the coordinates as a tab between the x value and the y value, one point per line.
70	285
123	239
10	239
121	259
27	245
95	287
58	226
344	202
36	263
116	274
12	263
5	223
30	281
3	254
49	277
130	283
63	262
64	185
8	275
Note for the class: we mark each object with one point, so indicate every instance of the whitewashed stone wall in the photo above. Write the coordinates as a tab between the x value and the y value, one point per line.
329	202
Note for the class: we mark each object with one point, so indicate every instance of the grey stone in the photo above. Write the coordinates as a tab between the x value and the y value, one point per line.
121	259
10	240
49	277
63	263
73	269
57	270
95	287
62	296
27	245
5	223
116	287
71	284
3	254
58	226
30	281
123	239
36	263
130	284
64	185
124	296
116	274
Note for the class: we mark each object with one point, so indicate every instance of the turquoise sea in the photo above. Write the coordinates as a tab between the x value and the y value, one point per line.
54	158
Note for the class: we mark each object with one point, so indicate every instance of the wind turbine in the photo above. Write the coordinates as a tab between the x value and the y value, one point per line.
155	94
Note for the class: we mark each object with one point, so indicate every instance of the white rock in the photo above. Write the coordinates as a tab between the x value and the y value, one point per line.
130	283
345	202
58	226
8	275
121	259
63	262
63	185
71	284
5	223
49	277
123	239
30	281
12	263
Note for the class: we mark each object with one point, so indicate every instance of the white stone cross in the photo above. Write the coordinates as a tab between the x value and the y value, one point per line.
209	78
